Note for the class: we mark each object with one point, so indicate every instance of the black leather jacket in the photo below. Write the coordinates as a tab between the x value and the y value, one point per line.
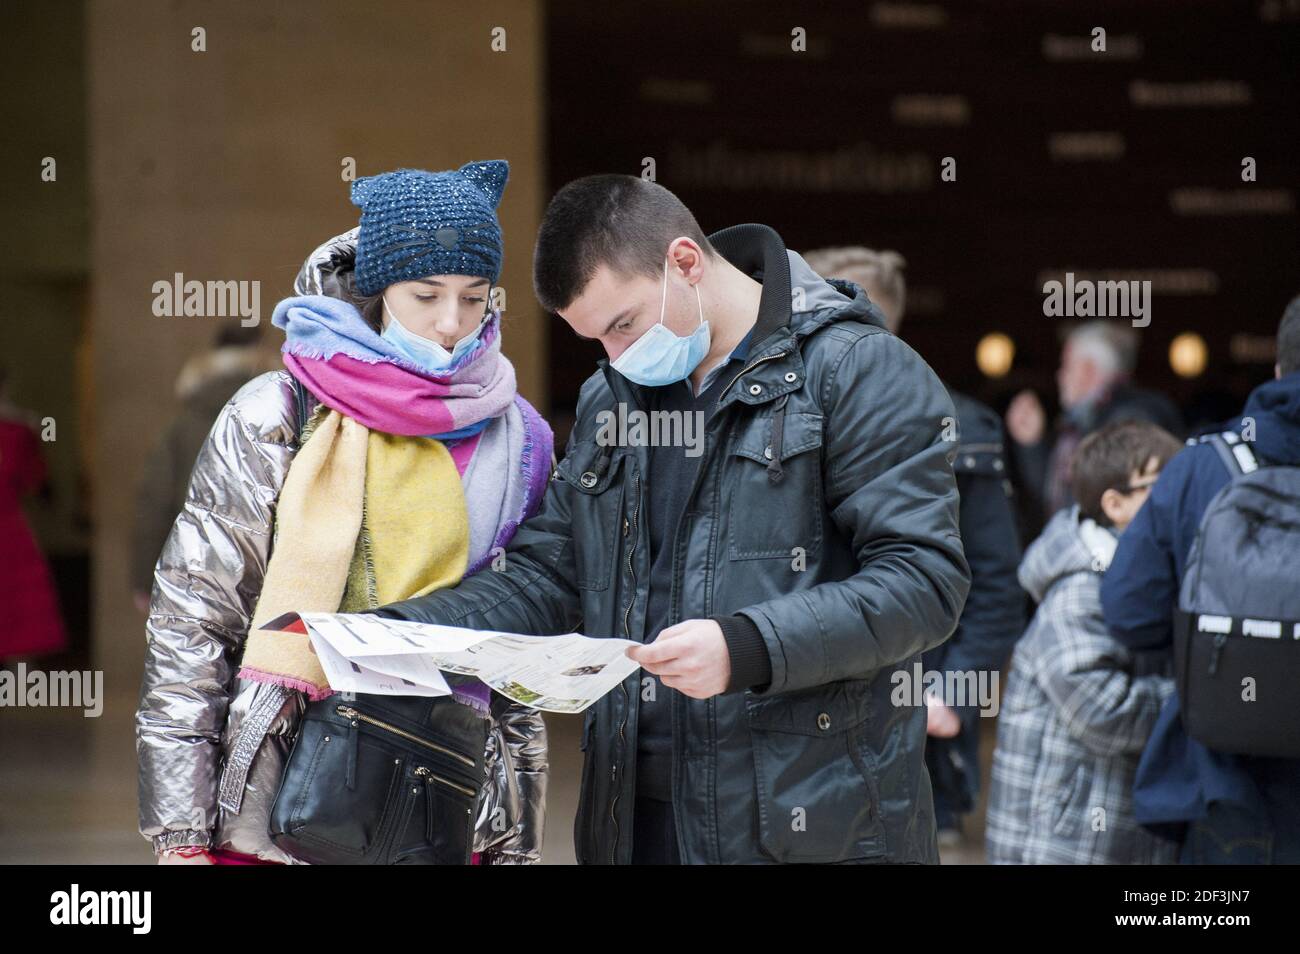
849	563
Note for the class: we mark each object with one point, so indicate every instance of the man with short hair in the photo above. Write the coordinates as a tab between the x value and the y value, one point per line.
778	578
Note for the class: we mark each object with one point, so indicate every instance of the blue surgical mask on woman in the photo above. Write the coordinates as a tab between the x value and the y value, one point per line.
429	355
660	357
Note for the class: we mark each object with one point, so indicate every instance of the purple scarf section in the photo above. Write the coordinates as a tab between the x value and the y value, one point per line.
504	467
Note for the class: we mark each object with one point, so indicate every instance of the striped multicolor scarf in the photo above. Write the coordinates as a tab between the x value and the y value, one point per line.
372	510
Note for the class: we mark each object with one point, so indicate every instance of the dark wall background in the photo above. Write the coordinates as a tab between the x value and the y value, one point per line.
842	145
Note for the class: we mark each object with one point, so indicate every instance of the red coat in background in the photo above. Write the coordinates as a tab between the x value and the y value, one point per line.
29	613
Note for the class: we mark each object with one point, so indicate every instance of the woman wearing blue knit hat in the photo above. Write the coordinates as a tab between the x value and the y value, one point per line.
392	458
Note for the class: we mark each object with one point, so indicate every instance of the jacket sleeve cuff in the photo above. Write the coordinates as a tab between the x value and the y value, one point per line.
182	839
750	665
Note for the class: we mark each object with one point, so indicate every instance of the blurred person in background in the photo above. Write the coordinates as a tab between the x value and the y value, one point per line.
994	614
1095	388
32	624
205	384
1079	707
1225	808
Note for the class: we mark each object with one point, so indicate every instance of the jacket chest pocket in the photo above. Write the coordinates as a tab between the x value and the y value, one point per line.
597	511
777	518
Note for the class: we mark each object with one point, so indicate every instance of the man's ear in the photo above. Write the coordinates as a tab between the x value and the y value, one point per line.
1111	503
1277	371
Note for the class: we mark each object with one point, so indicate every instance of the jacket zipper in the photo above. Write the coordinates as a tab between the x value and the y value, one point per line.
695	486
627	634
770	357
355	715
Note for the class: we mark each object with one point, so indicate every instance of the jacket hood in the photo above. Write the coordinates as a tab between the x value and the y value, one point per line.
329	269
827	299
795	297
1070	543
1274	407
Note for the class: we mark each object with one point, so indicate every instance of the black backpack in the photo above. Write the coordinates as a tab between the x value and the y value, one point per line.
1237	628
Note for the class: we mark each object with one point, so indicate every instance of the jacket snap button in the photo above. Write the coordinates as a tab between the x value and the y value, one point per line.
791	377
767	452
970	461
823	721
997	465
756	389
588	479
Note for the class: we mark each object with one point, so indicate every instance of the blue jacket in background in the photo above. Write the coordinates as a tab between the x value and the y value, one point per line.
1178	777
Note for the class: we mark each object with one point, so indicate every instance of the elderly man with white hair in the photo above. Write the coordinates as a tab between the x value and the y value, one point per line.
1093	384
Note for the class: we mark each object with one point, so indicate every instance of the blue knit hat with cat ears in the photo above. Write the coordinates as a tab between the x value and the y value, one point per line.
416	223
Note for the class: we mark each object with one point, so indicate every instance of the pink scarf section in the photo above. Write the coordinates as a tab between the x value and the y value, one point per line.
386	397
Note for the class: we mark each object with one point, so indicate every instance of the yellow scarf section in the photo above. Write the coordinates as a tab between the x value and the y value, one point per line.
364	518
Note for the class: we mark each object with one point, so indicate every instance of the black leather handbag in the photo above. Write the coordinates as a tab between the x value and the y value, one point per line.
375	780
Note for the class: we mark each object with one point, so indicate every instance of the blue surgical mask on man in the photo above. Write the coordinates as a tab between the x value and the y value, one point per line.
429	355
660	357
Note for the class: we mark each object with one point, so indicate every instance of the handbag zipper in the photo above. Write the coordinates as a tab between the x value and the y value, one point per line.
355	714
430	808
430	776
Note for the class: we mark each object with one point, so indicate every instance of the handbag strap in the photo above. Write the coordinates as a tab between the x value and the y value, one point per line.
270	700
271	697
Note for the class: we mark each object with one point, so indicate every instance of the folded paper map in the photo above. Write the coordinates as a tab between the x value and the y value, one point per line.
364	653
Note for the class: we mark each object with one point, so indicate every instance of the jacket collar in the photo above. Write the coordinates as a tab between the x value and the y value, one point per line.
757	250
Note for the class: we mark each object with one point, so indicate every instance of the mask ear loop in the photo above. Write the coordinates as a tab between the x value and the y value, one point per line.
663	294
663	298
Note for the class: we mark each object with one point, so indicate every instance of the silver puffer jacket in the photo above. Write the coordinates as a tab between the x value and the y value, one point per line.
206	585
